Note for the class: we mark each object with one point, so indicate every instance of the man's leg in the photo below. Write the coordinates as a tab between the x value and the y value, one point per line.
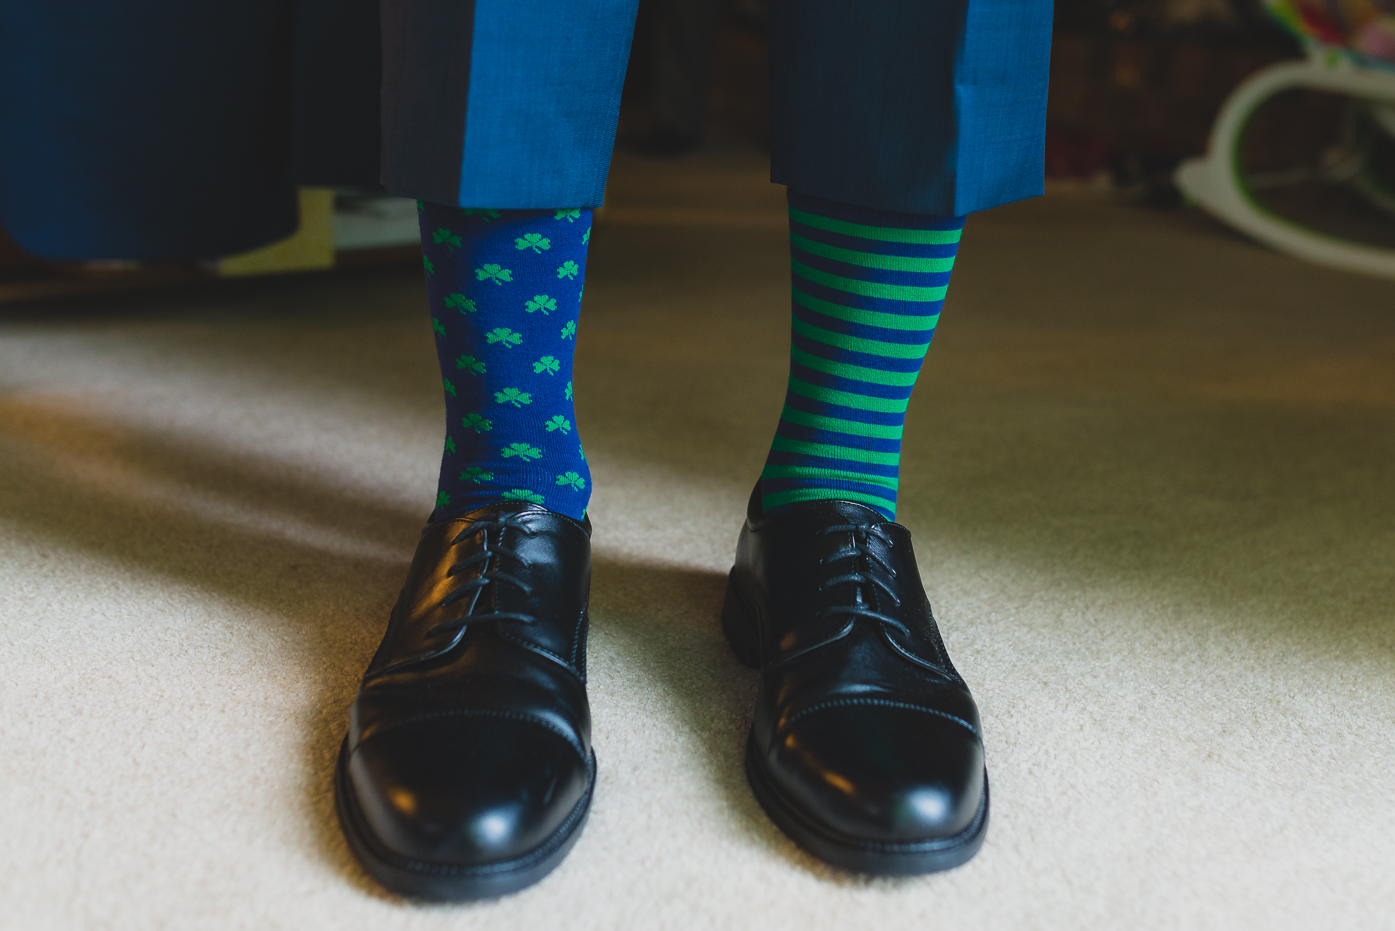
890	122
505	292
467	771
867	290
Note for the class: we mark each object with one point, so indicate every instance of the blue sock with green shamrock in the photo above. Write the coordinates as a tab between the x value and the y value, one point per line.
505	292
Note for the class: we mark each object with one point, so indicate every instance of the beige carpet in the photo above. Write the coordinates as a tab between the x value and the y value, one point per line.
1149	473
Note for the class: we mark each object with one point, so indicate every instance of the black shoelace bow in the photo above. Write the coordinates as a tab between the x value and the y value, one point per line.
861	575
489	559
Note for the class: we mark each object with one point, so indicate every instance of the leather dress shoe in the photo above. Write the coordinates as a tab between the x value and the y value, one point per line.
866	747
467	771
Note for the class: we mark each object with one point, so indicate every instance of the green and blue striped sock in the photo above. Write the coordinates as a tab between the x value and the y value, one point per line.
867	290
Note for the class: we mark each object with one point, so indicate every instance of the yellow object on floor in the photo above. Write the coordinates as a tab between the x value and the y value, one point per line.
309	248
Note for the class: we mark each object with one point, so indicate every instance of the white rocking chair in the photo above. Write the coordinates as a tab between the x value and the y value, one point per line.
1218	184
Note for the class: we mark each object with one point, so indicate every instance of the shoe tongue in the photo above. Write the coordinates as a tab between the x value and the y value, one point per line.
850	511
815	516
859	512
498	509
483	512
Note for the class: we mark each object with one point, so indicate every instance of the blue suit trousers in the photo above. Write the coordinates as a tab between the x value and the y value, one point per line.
920	106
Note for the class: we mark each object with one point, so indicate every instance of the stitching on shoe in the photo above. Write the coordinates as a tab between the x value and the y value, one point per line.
529	645
576	641
880	702
479	713
943	670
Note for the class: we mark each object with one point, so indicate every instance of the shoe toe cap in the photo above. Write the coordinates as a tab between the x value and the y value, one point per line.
882	774
466	791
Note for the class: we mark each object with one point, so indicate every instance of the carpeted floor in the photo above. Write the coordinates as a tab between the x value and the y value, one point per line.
1148	470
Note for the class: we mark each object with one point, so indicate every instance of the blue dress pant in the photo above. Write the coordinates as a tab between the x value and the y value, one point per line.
920	106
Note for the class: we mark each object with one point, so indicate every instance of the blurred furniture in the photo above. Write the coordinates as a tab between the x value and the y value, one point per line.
343	228
1218	183
1222	189
1351	59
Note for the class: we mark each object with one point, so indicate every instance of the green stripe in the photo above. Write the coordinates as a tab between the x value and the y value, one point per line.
874	347
801	471
825	494
874	431
866	317
890	263
895	292
847	399
883	233
855	372
829	451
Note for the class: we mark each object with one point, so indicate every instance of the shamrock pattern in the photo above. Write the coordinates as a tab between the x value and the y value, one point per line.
470	364
492	272
493	277
444	235
541	302
513	396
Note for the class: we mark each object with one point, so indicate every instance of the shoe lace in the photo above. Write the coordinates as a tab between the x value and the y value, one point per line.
860	575
489	558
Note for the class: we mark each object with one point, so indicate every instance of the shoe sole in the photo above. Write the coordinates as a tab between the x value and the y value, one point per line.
870	857
444	882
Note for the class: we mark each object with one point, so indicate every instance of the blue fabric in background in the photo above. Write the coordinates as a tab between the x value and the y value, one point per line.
138	129
143	130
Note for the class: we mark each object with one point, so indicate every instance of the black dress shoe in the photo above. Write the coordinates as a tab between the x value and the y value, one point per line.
866	748
467	771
